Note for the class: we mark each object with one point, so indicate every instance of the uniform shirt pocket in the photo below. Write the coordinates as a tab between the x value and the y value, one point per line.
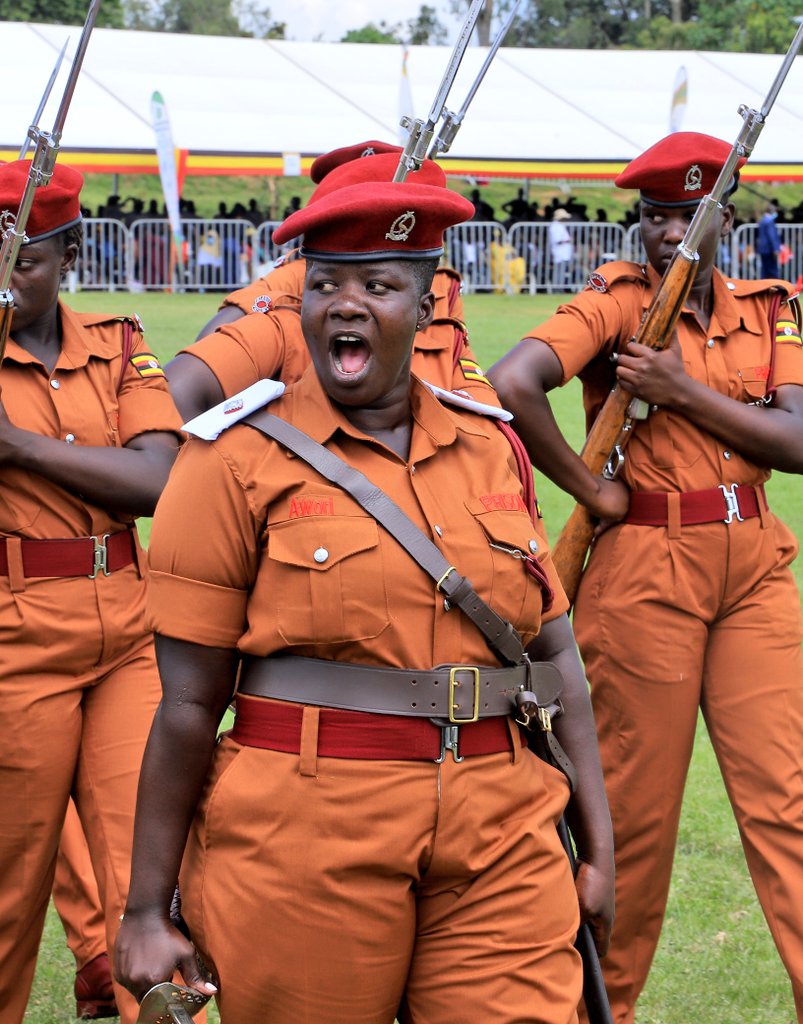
754	381
514	593
326	579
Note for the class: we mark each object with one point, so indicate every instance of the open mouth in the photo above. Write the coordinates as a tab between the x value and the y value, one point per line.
350	354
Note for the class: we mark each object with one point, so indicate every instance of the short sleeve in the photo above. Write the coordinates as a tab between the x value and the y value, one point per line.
788	367
145	402
244	352
580	330
203	553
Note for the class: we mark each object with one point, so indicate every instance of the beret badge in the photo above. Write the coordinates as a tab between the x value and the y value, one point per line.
401	227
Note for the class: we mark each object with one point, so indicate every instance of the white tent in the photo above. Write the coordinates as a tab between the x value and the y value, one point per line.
243	106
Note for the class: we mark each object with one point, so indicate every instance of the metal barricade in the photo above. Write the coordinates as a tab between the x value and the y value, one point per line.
150	247
223	255
477	251
267	250
592	244
220	254
103	262
747	262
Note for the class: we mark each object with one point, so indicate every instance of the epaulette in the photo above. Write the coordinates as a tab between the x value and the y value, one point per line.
95	319
611	273
741	287
449	272
211	424
465	401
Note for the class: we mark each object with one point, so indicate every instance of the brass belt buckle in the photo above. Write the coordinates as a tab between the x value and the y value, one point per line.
454	684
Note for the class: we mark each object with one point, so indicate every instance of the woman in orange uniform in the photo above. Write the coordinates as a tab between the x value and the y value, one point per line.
88	434
357	852
688	603
236	349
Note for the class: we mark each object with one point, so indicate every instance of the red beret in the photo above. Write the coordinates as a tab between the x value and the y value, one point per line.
55	205
377	168
328	161
376	220
680	170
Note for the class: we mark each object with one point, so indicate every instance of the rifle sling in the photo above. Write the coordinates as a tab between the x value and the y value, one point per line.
499	634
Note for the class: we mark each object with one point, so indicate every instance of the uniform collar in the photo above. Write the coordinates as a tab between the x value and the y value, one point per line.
434	425
728	314
78	345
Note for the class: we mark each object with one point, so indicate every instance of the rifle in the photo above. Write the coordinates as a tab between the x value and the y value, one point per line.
603	451
39	174
442	142
595	997
420	133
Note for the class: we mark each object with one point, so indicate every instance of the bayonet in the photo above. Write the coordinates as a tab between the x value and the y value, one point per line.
420	132
451	122
44	99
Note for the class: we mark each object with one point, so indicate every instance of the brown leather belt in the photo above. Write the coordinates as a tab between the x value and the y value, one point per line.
354	734
459	693
75	556
719	504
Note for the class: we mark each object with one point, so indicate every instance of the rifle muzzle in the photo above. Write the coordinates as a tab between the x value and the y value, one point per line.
170	1004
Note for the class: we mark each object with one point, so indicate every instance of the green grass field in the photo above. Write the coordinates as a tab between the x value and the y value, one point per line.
716	963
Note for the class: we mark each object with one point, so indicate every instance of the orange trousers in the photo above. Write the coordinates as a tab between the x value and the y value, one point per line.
709	619
78	689
75	893
349	891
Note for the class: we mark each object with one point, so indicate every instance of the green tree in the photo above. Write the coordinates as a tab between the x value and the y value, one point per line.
196	17
425	29
61	12
256	20
373	33
203	17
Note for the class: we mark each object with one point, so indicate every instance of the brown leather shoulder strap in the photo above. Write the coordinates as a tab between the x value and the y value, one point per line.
499	634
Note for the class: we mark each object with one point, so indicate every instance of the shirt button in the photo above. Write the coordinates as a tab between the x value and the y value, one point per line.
320	555
56	384
710	343
726	455
438	530
412	470
533	546
731	285
70	438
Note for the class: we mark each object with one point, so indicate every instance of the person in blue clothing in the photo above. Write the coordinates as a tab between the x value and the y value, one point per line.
769	242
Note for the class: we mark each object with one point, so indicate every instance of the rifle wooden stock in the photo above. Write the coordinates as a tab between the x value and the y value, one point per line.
6	309
614	425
